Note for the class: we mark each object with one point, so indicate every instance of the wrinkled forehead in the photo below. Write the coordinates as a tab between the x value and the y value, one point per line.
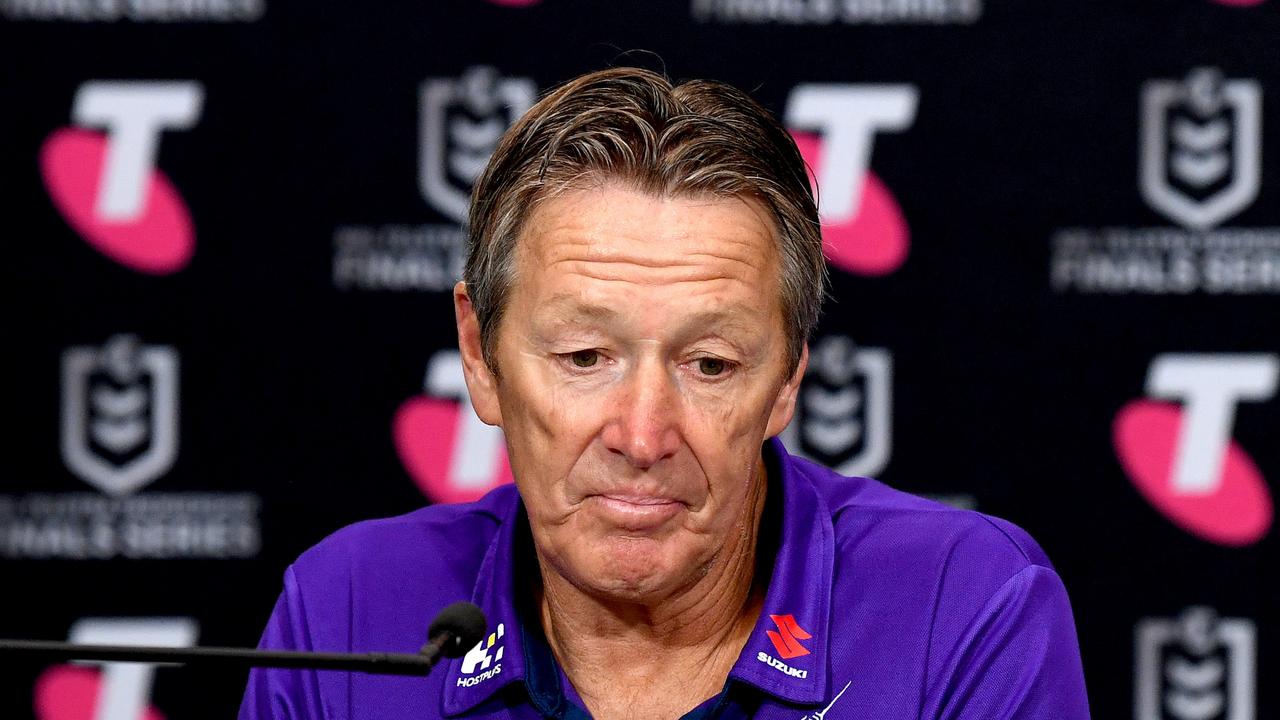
608	250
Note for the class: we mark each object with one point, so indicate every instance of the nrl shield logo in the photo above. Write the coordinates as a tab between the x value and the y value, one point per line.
844	412
460	123
1201	147
119	413
1197	667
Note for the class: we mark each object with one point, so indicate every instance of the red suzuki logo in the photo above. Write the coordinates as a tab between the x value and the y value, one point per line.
788	636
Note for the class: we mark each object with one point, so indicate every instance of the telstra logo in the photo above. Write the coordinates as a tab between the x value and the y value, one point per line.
451	455
106	185
863	228
1180	455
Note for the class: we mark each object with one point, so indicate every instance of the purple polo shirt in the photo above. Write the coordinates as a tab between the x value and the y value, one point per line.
880	605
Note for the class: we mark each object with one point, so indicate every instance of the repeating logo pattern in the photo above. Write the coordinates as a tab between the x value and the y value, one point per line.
120	413
1197	667
844	415
1180	455
107	185
863	228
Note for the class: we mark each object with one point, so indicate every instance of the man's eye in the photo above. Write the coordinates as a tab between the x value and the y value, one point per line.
584	358
711	366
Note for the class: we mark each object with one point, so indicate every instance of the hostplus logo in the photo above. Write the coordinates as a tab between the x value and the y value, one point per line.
451	455
786	641
1176	445
102	177
119	434
1200	159
1196	667
476	663
835	126
844	414
460	121
110	691
837	12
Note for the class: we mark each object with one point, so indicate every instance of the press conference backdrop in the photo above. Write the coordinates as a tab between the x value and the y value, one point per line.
231	228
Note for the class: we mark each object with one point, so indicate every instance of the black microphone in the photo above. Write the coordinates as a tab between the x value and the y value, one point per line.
453	631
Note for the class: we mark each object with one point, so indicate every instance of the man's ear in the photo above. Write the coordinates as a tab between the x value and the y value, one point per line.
784	406
482	385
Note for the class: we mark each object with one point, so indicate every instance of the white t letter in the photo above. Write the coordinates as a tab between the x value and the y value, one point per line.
1209	387
134	114
848	117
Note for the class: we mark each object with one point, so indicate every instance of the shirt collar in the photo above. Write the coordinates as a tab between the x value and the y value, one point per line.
495	593
787	654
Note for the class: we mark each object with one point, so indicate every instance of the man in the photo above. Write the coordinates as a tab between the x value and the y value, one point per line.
644	270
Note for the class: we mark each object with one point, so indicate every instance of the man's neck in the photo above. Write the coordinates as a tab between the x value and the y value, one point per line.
679	649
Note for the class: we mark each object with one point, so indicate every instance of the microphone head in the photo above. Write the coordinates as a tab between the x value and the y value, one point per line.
465	624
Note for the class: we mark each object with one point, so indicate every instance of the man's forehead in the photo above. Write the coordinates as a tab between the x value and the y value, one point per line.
615	222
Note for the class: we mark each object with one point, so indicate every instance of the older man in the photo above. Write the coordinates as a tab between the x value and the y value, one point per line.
644	270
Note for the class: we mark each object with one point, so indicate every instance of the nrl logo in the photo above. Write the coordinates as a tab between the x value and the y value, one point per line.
460	123
1201	147
844	414
1196	667
119	413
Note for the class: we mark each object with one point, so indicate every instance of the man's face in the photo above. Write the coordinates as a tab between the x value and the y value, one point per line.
642	361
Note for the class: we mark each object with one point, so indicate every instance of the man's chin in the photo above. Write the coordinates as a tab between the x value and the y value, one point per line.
630	569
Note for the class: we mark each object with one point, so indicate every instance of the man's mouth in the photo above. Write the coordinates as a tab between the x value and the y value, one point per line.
635	512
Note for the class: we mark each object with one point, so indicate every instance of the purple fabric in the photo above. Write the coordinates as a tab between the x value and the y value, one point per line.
911	609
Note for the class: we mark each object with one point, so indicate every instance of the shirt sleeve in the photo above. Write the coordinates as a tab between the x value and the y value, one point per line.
277	693
1018	659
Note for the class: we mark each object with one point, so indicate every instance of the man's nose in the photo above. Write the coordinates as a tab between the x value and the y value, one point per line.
645	426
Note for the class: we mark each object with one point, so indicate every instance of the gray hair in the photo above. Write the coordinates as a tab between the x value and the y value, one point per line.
699	138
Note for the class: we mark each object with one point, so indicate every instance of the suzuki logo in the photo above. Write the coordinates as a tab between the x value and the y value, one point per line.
786	639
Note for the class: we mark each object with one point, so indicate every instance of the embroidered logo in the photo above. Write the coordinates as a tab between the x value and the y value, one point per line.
788	636
479	659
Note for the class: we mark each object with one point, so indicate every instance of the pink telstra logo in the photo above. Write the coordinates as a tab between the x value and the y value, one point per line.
863	227
451	455
1181	457
515	3
1240	3
106	185
68	692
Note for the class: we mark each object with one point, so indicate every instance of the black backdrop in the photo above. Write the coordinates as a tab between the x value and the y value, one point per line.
1024	320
